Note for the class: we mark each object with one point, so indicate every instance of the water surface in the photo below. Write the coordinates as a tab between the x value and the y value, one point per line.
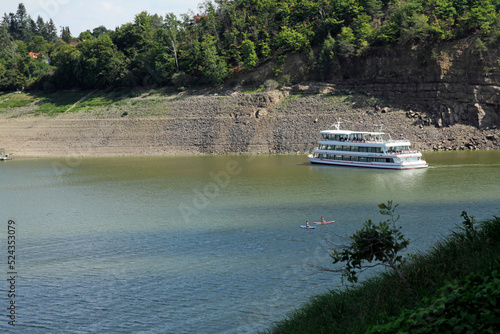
206	244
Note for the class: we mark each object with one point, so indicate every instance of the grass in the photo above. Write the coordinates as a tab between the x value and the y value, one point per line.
100	99
356	309
43	102
54	103
13	100
254	89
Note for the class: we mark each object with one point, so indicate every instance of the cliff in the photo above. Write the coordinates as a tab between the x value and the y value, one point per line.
452	83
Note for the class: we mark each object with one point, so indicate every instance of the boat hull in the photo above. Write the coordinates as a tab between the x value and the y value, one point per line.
379	165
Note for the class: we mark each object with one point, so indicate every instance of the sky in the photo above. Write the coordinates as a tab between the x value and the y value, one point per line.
85	15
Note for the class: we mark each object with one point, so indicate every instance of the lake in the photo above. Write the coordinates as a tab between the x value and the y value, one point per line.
205	244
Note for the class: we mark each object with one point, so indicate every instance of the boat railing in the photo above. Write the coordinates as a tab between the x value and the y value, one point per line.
403	152
368	140
357	140
386	152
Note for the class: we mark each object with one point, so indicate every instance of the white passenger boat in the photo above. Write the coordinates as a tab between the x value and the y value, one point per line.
365	149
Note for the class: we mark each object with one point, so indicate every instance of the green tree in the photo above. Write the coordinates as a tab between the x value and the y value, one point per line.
66	34
5	41
68	63
19	24
171	27
379	243
346	42
482	15
102	64
38	44
16	66
22	22
326	59
213	66
10	74
85	36
292	40
50	31
249	55
100	30
41	29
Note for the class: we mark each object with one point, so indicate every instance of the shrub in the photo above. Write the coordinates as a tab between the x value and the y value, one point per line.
469	306
374	243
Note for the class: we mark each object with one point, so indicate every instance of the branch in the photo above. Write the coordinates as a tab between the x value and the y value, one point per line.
395	267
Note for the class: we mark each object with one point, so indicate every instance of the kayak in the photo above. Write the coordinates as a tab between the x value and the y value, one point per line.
329	222
308	227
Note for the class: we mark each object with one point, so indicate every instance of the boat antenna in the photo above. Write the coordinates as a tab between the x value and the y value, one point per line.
337	124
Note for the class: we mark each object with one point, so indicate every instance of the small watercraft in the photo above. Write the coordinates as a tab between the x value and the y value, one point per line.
323	223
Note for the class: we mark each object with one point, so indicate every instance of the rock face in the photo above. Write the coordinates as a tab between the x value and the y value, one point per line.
454	83
228	122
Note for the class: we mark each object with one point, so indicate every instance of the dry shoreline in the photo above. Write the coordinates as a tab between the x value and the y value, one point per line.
230	123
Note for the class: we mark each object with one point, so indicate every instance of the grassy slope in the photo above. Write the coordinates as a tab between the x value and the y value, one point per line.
354	310
58	102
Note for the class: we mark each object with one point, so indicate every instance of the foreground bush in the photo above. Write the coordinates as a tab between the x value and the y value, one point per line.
468	306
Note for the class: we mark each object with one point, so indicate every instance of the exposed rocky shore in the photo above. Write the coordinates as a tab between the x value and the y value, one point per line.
226	122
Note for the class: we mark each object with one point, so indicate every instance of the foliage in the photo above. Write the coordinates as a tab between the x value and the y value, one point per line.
346	42
181	79
469	230
249	55
380	243
101	65
291	40
212	65
66	34
225	35
467	306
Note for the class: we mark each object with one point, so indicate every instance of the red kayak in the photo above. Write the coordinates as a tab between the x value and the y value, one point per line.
323	223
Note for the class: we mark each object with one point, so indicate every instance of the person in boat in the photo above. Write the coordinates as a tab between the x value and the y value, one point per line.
323	221
307	224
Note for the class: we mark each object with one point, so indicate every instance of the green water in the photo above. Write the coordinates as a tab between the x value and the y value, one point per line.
208	243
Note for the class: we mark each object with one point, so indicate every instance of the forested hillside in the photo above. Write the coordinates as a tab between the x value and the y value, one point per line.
227	37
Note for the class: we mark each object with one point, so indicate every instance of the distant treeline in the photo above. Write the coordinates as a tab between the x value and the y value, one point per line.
226	37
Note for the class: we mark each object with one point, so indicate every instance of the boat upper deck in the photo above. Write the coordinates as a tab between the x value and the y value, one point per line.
348	132
360	137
